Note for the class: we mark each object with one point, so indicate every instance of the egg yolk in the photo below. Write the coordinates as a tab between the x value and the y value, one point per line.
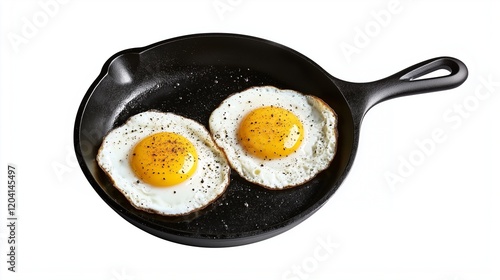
270	132
164	159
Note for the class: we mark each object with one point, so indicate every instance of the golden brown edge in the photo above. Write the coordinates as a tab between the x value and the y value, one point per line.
148	210
293	185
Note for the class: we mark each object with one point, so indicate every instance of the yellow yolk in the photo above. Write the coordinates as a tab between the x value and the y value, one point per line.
270	132
164	159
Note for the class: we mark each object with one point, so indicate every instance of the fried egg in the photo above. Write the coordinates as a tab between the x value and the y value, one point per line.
275	138
164	163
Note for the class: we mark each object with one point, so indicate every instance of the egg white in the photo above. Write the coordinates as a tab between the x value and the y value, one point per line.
207	183
315	153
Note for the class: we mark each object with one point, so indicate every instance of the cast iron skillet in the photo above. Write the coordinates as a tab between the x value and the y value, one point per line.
190	76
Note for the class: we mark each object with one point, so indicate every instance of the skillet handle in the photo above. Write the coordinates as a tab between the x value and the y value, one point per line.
362	96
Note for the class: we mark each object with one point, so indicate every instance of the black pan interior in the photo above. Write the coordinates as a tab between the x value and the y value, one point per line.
190	76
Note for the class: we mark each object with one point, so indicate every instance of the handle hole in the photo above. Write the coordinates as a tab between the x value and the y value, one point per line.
433	74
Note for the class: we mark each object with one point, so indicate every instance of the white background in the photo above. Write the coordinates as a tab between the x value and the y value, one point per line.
441	221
